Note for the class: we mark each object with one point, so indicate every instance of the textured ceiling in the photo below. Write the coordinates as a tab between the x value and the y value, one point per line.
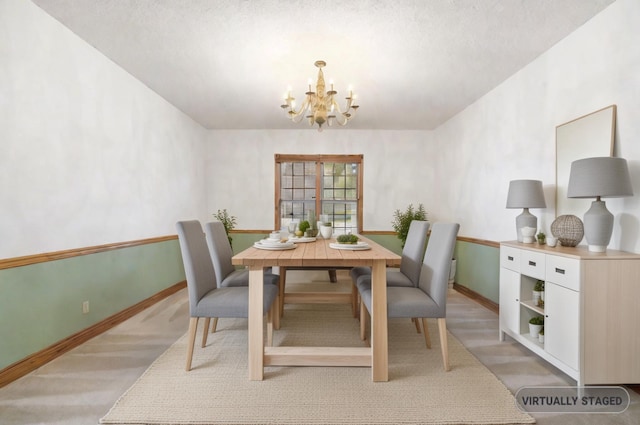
413	63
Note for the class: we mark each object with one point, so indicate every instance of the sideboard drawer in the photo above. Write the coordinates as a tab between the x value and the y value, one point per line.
510	258
563	271
532	264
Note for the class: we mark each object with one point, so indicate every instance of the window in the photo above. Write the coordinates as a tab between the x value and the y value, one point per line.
330	184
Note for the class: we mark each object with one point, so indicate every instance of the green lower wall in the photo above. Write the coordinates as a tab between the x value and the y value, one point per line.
41	304
478	268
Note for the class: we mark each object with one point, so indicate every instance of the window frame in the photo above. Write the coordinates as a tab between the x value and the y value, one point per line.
319	160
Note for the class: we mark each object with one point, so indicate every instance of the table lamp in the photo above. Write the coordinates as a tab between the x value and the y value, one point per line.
600	177
525	194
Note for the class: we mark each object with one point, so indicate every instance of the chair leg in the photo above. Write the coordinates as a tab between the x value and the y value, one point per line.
283	280
193	326
354	300
425	331
417	323
332	276
442	328
276	309
215	325
270	314
205	331
363	321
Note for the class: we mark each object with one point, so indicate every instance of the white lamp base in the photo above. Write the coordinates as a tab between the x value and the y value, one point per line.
526	219
598	248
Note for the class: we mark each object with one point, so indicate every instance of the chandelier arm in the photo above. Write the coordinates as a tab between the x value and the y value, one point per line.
298	114
342	117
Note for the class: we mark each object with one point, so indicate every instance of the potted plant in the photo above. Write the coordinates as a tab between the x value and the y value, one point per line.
538	290
303	227
228	221
541	336
402	220
535	326
542	238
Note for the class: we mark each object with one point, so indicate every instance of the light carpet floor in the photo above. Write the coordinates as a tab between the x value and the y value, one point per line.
217	389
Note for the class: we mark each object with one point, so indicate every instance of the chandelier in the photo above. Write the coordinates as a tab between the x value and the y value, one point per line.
320	106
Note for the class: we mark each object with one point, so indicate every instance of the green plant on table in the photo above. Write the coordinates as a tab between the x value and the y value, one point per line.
228	221
402	220
350	239
304	226
542	238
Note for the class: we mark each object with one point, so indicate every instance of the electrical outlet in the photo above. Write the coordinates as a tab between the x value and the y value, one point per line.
85	307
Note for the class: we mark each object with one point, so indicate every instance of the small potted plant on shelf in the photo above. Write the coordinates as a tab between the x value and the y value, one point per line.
538	291
542	238
541	336
535	326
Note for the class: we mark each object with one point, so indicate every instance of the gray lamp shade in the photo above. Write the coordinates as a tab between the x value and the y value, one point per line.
607	177
526	194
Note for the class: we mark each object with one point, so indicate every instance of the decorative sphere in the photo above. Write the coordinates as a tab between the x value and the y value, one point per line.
568	229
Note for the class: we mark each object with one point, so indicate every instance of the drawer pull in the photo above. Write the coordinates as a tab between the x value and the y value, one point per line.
510	258
561	271
532	263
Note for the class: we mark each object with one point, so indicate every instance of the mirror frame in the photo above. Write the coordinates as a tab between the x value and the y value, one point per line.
584	137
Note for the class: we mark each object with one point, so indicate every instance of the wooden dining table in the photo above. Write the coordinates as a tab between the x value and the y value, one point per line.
319	254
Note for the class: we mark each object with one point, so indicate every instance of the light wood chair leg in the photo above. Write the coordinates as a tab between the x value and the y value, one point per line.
193	326
417	323
215	325
205	331
282	282
425	331
442	328
363	321
272	312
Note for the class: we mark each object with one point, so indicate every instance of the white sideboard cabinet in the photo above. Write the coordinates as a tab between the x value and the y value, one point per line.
591	309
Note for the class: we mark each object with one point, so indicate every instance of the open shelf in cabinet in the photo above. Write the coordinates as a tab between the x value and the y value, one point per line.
530	304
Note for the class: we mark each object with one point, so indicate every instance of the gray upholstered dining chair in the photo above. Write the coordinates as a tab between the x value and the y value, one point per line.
410	265
221	253
429	298
206	299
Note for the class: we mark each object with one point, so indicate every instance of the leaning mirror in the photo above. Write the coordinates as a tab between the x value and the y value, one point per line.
588	136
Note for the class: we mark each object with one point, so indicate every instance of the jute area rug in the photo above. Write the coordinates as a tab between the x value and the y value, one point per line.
217	389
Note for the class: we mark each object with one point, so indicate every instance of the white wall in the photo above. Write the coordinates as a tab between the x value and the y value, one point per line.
461	171
510	133
240	170
88	154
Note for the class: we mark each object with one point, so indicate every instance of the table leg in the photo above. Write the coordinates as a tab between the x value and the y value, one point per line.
379	335
255	333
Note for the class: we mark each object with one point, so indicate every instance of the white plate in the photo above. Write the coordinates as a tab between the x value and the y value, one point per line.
282	247
360	246
272	242
301	239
